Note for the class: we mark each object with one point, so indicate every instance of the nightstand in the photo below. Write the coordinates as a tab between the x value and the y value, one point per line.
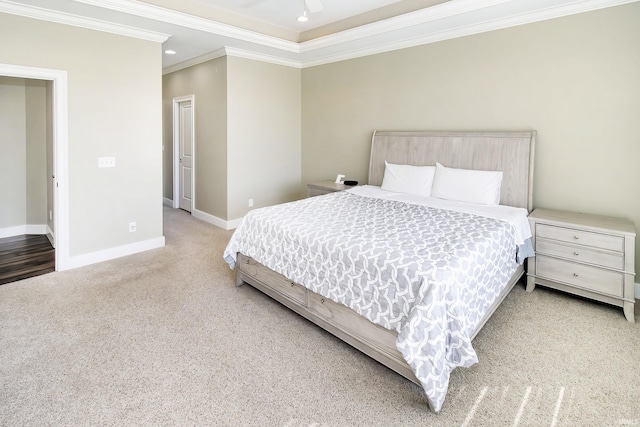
319	188
587	255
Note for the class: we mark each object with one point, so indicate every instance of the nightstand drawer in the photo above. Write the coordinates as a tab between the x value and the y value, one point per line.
312	192
587	238
581	254
592	278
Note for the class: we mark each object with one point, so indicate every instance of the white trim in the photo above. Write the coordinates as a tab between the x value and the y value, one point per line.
167	202
241	53
210	219
195	61
113	253
176	153
36	229
316	49
13	231
232	51
19	230
637	291
61	169
157	13
80	21
463	31
214	220
234	223
176	149
60	150
51	236
421	16
313	48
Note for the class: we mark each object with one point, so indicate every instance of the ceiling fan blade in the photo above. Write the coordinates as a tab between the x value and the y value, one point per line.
314	6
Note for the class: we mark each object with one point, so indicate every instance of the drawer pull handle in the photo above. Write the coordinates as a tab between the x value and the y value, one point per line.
576	253
575	274
576	237
292	284
322	301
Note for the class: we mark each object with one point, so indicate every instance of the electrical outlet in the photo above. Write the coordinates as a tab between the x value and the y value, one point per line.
250	203
132	227
106	162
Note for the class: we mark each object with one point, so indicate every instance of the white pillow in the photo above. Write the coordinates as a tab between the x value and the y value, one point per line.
467	185
408	179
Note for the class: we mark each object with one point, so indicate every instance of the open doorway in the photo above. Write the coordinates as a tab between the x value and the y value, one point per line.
48	175
27	236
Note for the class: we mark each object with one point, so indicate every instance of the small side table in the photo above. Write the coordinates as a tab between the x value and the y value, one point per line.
319	188
587	255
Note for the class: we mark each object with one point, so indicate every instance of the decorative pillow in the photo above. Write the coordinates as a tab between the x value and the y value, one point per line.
467	185
408	179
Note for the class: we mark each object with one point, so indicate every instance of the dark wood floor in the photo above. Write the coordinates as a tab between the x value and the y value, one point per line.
25	256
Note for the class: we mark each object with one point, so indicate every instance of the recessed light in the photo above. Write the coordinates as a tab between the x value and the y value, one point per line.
303	17
170	52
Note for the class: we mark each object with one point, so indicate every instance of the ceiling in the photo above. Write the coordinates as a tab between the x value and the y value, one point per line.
267	30
283	13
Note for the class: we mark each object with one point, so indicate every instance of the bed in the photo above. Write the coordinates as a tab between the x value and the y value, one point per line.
377	268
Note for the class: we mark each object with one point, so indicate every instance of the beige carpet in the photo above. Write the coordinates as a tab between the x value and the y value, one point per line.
166	338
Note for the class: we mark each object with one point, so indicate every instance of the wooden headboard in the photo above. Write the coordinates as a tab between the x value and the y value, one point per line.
509	152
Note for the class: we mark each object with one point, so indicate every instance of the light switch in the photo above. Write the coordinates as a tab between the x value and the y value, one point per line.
106	162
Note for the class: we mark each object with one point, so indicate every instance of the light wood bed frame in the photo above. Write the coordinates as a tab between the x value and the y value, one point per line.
510	152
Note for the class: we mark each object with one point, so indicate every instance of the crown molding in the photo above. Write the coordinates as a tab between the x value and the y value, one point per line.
390	34
313	48
230	51
422	16
550	12
145	10
241	53
80	21
195	61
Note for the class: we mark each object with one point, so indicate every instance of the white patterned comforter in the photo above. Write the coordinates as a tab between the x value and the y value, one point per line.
429	274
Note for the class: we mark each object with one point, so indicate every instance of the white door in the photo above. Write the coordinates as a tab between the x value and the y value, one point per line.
185	156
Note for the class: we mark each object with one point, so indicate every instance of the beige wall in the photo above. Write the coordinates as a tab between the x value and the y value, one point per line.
114	109
13	153
574	80
208	83
247	138
23	153
264	153
36	136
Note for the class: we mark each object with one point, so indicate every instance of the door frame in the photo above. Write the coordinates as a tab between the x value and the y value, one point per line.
176	150
60	151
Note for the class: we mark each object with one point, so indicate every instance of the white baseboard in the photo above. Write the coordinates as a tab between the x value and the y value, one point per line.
51	236
23	229
233	224
112	253
167	202
226	225
13	231
36	229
